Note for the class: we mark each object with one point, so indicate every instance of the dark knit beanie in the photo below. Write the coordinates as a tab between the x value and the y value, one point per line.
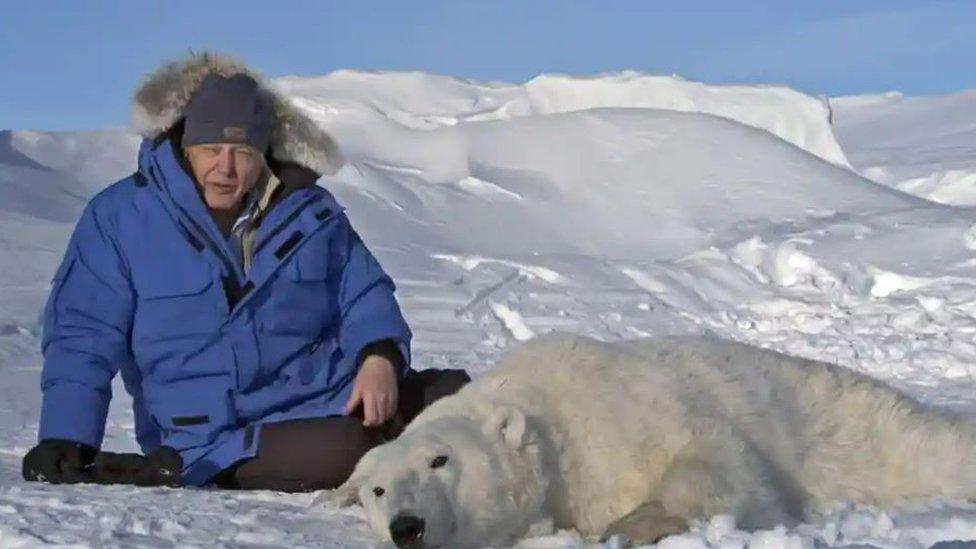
228	109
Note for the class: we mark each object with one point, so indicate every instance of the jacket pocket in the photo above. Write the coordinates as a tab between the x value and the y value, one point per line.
175	284
316	360
303	300
177	304
310	263
191	412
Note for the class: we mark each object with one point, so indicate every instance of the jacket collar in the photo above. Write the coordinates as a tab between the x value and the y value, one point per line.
159	163
285	190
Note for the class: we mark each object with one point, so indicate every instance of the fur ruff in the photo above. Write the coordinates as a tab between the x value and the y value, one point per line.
159	102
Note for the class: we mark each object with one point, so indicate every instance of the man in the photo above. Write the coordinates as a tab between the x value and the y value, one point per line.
259	338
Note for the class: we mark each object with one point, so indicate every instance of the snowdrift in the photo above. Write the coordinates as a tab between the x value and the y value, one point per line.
624	183
922	145
423	101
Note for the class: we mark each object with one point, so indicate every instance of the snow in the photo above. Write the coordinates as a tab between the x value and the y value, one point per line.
947	187
619	205
91	157
421	101
925	146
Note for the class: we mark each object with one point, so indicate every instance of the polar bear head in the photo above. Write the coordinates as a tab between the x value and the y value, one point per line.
458	480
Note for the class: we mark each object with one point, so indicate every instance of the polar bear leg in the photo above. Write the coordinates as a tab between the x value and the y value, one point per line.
726	474
691	488
648	523
722	475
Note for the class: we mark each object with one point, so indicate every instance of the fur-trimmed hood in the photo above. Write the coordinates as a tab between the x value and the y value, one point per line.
160	101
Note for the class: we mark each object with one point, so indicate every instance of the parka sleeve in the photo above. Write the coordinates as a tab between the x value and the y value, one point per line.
87	323
369	311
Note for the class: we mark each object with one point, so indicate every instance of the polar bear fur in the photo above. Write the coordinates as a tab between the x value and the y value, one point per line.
642	437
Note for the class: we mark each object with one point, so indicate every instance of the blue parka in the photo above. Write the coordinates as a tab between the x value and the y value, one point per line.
148	287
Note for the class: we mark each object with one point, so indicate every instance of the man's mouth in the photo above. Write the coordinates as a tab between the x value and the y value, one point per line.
225	187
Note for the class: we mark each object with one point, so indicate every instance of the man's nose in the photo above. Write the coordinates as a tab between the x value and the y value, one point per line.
225	161
407	530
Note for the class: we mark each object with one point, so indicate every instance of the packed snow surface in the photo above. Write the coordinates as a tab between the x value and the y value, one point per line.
615	206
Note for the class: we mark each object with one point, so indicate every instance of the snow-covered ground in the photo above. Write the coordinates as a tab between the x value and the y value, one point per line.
617	206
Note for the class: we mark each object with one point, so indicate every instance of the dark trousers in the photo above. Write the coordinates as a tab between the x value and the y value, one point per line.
316	453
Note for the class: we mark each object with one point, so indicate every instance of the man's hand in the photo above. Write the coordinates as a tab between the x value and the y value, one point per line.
161	467
376	389
59	461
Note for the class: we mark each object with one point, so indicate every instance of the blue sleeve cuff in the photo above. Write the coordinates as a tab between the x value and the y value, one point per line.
390	349
74	411
372	331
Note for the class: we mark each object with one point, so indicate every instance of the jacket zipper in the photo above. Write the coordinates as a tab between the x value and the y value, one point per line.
285	258
194	233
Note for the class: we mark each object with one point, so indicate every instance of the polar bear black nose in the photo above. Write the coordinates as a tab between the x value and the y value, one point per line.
406	530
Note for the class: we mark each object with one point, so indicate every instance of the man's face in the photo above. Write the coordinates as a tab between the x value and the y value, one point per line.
224	172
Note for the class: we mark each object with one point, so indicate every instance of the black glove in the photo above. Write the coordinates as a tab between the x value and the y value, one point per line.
59	461
160	468
164	467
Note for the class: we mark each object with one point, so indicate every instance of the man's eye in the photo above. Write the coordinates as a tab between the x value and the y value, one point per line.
438	461
378	491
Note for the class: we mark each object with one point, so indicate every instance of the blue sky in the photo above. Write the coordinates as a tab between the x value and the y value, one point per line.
72	65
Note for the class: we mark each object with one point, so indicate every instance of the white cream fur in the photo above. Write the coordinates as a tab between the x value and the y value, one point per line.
697	425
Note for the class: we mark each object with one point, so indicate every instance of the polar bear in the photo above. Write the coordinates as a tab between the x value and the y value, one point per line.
641	437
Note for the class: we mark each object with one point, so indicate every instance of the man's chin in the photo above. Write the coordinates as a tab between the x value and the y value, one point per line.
223	203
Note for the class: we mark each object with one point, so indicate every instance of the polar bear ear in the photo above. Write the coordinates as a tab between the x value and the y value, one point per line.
507	423
343	496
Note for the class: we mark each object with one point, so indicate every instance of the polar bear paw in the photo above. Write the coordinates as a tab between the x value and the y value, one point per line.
647	524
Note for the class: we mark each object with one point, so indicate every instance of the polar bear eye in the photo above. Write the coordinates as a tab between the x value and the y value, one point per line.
438	461
378	491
